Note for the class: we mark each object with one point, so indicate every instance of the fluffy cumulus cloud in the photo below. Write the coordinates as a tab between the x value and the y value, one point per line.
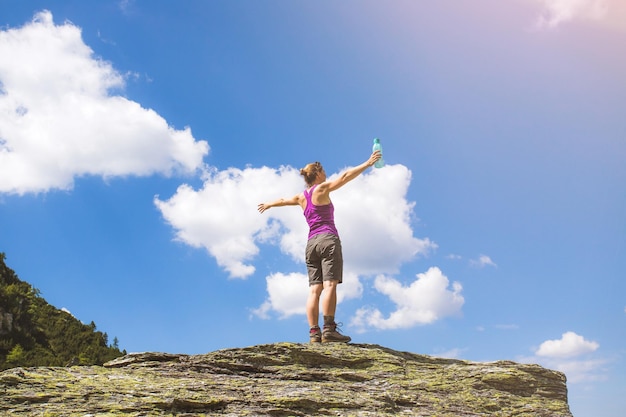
222	216
59	117
427	299
570	344
374	220
572	354
287	294
372	215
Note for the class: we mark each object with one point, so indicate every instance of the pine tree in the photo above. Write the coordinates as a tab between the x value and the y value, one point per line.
34	333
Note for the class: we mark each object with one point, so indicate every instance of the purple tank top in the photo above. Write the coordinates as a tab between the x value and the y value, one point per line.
321	219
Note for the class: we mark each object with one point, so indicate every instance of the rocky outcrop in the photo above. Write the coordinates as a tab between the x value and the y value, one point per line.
287	379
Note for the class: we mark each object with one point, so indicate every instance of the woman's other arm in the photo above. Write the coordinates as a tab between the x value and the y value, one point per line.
293	201
350	173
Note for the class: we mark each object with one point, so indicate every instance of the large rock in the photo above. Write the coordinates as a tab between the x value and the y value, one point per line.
287	379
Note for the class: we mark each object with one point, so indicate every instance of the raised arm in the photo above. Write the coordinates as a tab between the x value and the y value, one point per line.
293	201
351	173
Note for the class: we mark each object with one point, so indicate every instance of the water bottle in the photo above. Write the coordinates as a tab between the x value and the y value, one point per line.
378	147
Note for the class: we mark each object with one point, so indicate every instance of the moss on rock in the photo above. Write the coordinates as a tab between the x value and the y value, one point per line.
287	379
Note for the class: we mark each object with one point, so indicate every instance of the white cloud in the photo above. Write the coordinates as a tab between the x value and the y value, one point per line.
424	301
287	294
59	119
572	354
374	222
222	216
570	344
372	215
611	13
578	371
482	261
351	287
559	11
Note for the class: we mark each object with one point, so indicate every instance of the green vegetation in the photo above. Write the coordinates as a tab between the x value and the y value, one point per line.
34	333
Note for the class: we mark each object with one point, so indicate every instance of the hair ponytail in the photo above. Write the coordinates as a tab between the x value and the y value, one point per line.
309	172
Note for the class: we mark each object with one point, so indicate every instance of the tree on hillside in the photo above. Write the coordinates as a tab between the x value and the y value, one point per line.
34	333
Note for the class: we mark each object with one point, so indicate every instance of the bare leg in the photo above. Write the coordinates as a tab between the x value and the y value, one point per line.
313	304
329	305
329	301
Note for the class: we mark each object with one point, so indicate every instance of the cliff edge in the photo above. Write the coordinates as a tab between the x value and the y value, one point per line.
287	379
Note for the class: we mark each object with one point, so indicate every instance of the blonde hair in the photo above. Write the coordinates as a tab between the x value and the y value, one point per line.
310	171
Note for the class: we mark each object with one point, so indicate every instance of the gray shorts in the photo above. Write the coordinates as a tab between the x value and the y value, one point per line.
324	260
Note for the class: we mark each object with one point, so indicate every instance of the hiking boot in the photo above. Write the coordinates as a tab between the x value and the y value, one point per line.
330	334
315	335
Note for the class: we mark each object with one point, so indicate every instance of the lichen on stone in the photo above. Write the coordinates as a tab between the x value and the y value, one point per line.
287	379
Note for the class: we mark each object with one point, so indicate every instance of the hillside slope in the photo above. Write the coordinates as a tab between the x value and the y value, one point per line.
34	333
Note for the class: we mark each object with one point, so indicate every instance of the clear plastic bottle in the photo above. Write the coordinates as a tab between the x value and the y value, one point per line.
378	147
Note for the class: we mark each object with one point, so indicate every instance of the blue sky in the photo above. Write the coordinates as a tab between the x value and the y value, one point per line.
138	137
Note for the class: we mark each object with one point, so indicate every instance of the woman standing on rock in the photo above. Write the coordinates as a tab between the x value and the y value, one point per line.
324	260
